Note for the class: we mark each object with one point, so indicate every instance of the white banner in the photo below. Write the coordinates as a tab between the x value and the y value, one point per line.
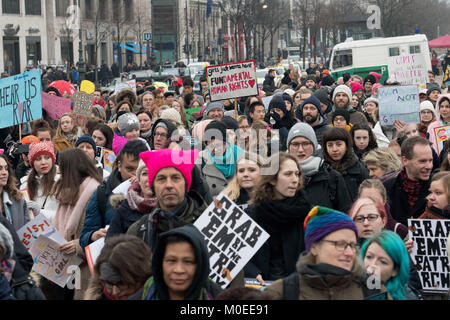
408	69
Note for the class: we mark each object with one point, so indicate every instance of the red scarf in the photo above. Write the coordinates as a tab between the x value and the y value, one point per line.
412	188
136	199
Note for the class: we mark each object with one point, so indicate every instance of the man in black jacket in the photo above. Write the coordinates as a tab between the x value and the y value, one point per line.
269	80
408	191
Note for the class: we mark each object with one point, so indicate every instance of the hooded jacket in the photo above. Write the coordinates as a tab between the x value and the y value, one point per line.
201	288
170	126
438	123
127	92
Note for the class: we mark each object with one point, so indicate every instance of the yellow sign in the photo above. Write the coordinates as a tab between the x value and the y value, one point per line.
87	86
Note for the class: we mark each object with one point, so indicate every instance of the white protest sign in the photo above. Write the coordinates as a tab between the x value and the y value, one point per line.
399	103
232	80
51	263
125	85
93	251
36	227
233	238
429	253
266	102
408	69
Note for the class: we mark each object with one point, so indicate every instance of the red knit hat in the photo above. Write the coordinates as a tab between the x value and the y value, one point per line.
182	160
356	86
41	148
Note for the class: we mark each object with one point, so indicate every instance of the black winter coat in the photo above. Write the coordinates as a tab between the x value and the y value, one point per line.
398	200
354	176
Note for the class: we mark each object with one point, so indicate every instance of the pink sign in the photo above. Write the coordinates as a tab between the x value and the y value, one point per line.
55	106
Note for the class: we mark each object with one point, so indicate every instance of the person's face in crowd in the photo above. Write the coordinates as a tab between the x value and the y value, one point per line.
288	105
244	129
170	188
160	138
53	93
444	109
145	122
336	149
125	107
128	166
377	261
329	249
248	174
273	74
421	164
371	107
304	96
341	100
133	134
411	130
66	124
119	290
361	139
297	99
111	104
259	113
105	95
359	93
301	148
368	87
204	86
375	171
147	100
176	105
368	221
215	114
310	84
43	164
287	180
4	173
318	73
99	138
437	197
355	101
310	113
195	104
143	183
339	122
433	96
97	95
179	267
426	116
279	111
188	89
431	77
44	136
87	149
168	100
422	97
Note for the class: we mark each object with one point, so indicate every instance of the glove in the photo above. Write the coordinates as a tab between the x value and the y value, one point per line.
33	205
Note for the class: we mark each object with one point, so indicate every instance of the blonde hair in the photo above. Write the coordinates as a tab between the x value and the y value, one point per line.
385	158
59	132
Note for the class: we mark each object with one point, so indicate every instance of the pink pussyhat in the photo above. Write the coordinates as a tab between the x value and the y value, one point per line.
375	87
181	160
356	86
118	143
376	75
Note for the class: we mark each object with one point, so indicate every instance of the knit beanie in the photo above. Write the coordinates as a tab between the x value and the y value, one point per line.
302	130
278	102
128	122
343	88
433	87
118	143
370	78
86	138
41	148
215	130
6	242
322	95
315	102
100	110
341	112
213	105
290	92
181	160
311	77
287	97
427	105
376	75
139	169
374	100
356	86
230	123
53	89
171	114
322	221
328	81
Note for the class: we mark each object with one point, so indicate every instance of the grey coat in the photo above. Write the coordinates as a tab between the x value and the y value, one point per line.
214	178
16	211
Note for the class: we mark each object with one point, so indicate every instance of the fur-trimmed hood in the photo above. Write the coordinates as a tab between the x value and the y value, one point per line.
124	92
116	199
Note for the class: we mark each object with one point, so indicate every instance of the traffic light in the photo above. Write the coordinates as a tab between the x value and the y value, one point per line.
208	50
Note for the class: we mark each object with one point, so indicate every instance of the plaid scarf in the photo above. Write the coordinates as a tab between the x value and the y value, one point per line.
136	200
411	188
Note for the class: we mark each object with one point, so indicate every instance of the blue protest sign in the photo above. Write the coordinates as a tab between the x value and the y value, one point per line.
20	98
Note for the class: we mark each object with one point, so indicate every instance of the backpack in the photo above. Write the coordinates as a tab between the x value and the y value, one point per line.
101	203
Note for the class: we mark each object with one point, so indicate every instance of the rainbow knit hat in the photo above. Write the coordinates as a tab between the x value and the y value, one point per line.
322	221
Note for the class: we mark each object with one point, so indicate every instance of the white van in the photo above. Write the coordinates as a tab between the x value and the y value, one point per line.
364	56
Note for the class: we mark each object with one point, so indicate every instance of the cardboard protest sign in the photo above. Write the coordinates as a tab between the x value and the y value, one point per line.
20	98
87	86
40	225
399	103
232	80
125	85
82	103
441	134
429	253
233	238
51	263
93	251
55	106
408	69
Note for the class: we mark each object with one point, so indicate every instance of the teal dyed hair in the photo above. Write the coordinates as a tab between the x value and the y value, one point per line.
395	248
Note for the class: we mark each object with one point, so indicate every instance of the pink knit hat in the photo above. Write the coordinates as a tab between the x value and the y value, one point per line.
118	143
181	160
356	86
376	75
39	149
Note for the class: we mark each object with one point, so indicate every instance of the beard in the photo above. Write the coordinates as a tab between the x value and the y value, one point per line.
309	119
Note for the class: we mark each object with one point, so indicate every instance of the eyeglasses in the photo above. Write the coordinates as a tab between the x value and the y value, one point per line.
109	285
161	135
304	145
370	218
342	245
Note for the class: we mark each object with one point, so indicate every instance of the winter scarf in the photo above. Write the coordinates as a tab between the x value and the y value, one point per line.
227	163
149	292
311	166
70	137
136	199
343	166
67	218
411	188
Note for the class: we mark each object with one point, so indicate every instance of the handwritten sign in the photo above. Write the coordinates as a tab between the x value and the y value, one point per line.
51	263
399	103
125	85
233	238
408	69
441	134
232	80
429	254
55	106
20	98
40	225
82	103
108	159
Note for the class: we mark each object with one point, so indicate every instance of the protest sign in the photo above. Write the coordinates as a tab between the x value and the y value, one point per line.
399	103
55	106
87	86
232	80
20	98
82	107
50	262
233	238
441	134
40	225
429	253
125	85
190	111
266	102
108	159
408	69
93	251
